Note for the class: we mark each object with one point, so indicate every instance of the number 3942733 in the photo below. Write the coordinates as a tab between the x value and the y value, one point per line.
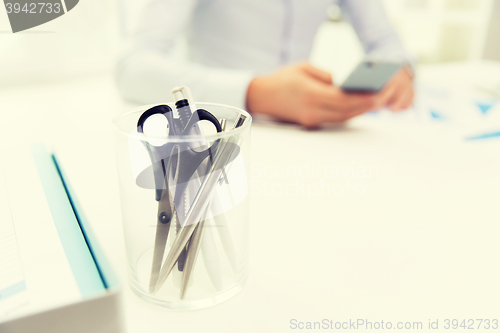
33	8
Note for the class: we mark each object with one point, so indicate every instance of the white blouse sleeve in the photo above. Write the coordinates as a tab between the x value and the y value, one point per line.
147	71
378	37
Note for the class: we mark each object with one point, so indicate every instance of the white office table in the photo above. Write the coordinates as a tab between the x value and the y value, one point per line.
419	240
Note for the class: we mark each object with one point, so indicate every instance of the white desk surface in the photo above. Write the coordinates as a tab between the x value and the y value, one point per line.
421	243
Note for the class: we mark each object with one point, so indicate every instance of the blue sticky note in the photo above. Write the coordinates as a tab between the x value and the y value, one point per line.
484	136
436	115
484	107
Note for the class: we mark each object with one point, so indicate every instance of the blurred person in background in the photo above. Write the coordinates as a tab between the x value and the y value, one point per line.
253	54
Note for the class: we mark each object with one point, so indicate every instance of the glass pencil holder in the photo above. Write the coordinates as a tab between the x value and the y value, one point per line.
183	177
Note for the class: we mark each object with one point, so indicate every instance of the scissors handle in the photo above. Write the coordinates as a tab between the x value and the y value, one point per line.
162	156
164	110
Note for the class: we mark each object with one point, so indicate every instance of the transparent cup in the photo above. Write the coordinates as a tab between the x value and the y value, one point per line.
207	209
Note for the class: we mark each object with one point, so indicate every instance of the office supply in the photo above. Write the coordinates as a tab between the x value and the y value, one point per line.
484	107
211	259
220	220
52	266
195	243
192	254
436	115
208	247
464	114
175	158
200	228
239	122
12	280
148	145
484	136
184	106
200	202
165	216
475	196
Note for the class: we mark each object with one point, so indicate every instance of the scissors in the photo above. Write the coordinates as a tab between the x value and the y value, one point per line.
182	162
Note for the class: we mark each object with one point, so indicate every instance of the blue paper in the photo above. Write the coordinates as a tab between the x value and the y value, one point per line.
75	247
484	107
485	136
12	290
436	115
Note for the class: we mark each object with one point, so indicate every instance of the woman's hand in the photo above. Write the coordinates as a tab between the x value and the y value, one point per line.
304	94
398	93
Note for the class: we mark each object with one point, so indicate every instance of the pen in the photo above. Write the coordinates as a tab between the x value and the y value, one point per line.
220	220
197	237
208	248
184	103
181	96
194	245
200	202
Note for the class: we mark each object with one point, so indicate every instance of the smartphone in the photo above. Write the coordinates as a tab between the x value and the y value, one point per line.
370	76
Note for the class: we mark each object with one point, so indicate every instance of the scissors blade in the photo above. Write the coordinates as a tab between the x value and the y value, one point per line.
194	245
162	230
164	220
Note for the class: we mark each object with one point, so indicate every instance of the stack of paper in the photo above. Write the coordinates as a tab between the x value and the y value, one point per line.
45	261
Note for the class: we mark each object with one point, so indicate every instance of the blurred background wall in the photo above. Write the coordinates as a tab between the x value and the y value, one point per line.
492	47
443	30
87	40
432	30
80	43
